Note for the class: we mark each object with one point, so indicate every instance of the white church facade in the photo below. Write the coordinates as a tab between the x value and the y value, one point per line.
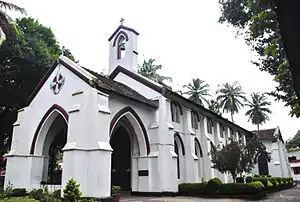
121	129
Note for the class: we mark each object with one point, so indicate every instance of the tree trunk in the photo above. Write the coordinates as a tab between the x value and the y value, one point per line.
231	116
257	127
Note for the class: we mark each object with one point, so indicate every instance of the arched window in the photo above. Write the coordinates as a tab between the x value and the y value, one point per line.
178	161
121	47
176	112
180	151
210	126
199	166
195	119
222	130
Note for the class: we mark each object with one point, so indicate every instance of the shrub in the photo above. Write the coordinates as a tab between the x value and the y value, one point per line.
2	196
18	199
263	180
17	192
249	179
240	180
36	194
212	186
72	192
241	188
291	180
274	182
269	185
116	190
86	200
57	194
192	189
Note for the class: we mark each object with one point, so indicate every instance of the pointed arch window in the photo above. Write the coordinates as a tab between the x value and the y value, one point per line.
210	125
121	47
195	119
222	130
176	112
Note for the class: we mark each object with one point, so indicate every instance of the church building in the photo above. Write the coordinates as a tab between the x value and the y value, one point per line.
120	129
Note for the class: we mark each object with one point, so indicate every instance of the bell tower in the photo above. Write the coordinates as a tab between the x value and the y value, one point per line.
123	48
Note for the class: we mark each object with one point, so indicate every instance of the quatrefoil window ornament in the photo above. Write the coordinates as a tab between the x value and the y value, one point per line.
57	83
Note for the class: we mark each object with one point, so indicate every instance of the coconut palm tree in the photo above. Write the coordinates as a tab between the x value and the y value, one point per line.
231	98
149	70
4	18
214	106
258	112
197	90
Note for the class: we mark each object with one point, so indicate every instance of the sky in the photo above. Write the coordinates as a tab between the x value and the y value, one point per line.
183	36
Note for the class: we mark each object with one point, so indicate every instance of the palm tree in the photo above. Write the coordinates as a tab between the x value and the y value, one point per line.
4	18
197	91
214	106
229	97
258	112
149	70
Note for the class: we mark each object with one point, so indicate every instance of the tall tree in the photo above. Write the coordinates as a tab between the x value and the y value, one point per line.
24	59
149	70
237	158
256	20
215	106
258	112
4	18
294	143
231	97
197	90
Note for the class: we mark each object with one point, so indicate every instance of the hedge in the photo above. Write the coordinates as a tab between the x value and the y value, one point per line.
241	188
212	186
249	179
192	189
18	199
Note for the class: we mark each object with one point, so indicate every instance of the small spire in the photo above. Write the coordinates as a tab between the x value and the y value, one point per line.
122	20
62	50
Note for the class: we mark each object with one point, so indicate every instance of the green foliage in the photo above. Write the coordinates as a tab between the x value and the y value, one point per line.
263	180
149	70
240	180
215	106
36	194
86	200
197	90
236	158
294	143
249	179
274	182
231	97
72	191
17	192
2	196
192	189
212	186
24	59
5	23
258	109
257	22
116	190
241	188
57	194
18	199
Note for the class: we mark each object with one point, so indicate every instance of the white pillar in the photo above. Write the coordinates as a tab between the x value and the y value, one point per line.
87	154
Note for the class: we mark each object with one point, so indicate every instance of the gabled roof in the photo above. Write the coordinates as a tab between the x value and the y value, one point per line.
122	27
176	97
95	80
271	134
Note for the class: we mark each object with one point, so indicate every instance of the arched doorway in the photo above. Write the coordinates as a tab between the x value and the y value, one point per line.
129	142
121	158
263	167
180	152
199	154
48	142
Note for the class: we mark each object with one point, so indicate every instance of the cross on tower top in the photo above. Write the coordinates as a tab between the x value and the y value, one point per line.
122	20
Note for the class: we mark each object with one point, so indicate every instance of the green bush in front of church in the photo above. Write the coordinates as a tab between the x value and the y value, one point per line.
72	192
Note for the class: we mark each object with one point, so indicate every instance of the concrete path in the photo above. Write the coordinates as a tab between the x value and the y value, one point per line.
290	195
